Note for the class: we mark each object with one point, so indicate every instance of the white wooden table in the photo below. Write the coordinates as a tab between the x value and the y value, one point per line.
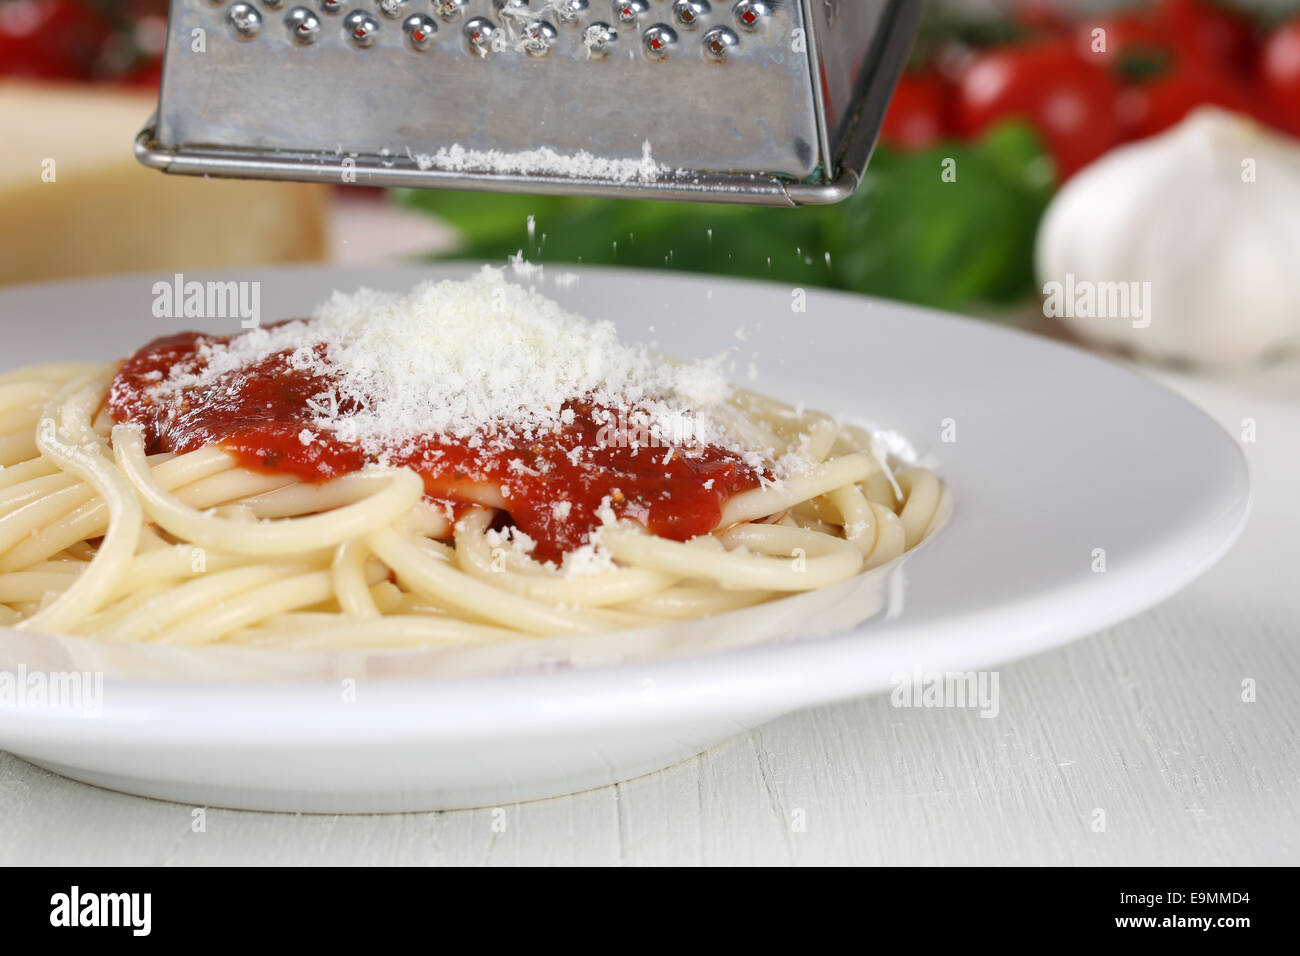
1145	721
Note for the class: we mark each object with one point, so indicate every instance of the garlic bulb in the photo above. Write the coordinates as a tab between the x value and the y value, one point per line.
1185	246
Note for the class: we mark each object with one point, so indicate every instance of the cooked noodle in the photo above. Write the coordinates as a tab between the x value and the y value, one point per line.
98	538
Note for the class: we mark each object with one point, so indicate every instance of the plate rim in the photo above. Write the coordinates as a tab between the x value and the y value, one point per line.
779	670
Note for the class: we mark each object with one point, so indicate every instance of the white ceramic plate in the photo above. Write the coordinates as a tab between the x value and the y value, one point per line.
1057	454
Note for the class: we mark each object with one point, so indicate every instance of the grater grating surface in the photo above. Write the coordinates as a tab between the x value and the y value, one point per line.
747	101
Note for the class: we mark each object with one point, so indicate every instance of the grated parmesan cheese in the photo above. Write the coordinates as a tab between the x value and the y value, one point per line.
512	540
590	559
544	161
482	359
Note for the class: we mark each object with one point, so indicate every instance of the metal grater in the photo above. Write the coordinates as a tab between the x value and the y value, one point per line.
774	102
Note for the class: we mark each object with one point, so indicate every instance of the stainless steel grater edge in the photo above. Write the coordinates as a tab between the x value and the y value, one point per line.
775	102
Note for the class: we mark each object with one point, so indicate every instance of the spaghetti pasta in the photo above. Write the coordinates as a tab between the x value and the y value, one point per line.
107	532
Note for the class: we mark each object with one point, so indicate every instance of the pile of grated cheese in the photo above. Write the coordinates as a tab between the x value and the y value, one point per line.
481	360
544	161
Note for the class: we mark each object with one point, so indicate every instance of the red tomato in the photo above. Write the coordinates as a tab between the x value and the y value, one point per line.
1126	44
50	39
917	114
1209	32
1156	56
147	75
1041	16
1148	108
1279	66
1047	83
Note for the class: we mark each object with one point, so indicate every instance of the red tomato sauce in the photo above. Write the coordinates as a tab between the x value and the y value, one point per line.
258	413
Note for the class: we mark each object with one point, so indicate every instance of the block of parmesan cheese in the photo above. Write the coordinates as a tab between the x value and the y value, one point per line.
74	201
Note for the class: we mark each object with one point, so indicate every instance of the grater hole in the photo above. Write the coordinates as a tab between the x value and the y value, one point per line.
689	13
719	44
361	28
483	36
245	21
630	11
450	11
658	42
420	31
537	38
599	40
752	14
303	24
514	14
568	11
